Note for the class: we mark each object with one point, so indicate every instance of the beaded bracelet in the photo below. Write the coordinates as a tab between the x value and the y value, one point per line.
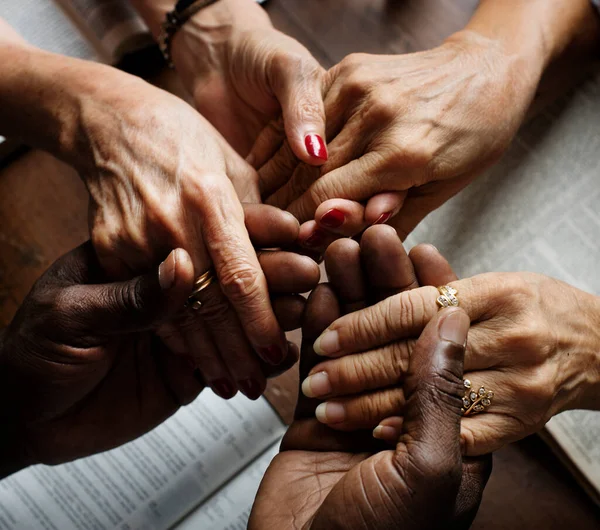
184	10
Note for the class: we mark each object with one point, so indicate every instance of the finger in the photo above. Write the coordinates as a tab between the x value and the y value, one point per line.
289	273
137	304
383	206
289	310
342	263
405	315
430	266
295	184
267	144
270	227
205	355
360	372
322	308
358	180
240	277
315	239
389	269
434	389
298	88
341	216
275	172
291	358
361	411
475	475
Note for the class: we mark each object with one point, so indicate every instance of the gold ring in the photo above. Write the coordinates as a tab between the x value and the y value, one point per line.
447	296
202	282
475	402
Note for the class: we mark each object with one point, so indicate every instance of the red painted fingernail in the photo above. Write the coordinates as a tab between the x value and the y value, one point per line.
316	239
333	219
250	388
272	354
223	388
383	218
315	146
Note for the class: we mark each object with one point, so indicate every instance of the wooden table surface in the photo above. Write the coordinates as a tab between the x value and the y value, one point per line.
43	214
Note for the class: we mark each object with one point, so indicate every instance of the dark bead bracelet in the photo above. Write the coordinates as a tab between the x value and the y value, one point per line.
184	10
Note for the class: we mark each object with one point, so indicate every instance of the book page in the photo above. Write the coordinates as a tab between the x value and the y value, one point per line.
148	484
577	433
45	25
537	210
230	507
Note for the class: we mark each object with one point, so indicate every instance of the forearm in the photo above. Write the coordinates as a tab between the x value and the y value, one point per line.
537	32
44	96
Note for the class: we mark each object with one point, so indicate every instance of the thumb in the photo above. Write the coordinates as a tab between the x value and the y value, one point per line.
434	390
137	304
299	90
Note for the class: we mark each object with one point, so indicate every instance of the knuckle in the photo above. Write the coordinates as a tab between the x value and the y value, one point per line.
383	108
241	283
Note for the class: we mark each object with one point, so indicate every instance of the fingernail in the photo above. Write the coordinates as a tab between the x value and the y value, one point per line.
223	388
333	219
272	354
455	327
315	146
383	218
250	388
383	432
166	271
330	412
316	385
328	343
316	239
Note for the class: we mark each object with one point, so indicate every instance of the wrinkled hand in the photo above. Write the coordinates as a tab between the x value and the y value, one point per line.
81	370
338	480
405	134
538	356
243	75
160	177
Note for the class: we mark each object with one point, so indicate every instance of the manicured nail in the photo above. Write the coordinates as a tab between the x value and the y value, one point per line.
272	354
315	146
316	239
333	219
223	388
316	385
330	412
166	271
250	388
455	327
383	218
328	343
383	432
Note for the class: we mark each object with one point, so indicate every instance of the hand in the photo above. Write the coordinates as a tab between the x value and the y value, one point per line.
533	342
405	133
160	177
79	349
243	75
326	474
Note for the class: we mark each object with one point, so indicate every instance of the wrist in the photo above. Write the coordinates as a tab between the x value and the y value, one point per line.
582	354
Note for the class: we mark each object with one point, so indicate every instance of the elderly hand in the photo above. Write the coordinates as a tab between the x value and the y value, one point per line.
244	74
79	349
406	133
534	342
326	474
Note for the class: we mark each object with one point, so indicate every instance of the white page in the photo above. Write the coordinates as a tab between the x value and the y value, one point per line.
44	24
229	508
148	484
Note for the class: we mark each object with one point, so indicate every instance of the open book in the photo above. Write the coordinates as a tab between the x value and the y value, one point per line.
199	470
538	210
